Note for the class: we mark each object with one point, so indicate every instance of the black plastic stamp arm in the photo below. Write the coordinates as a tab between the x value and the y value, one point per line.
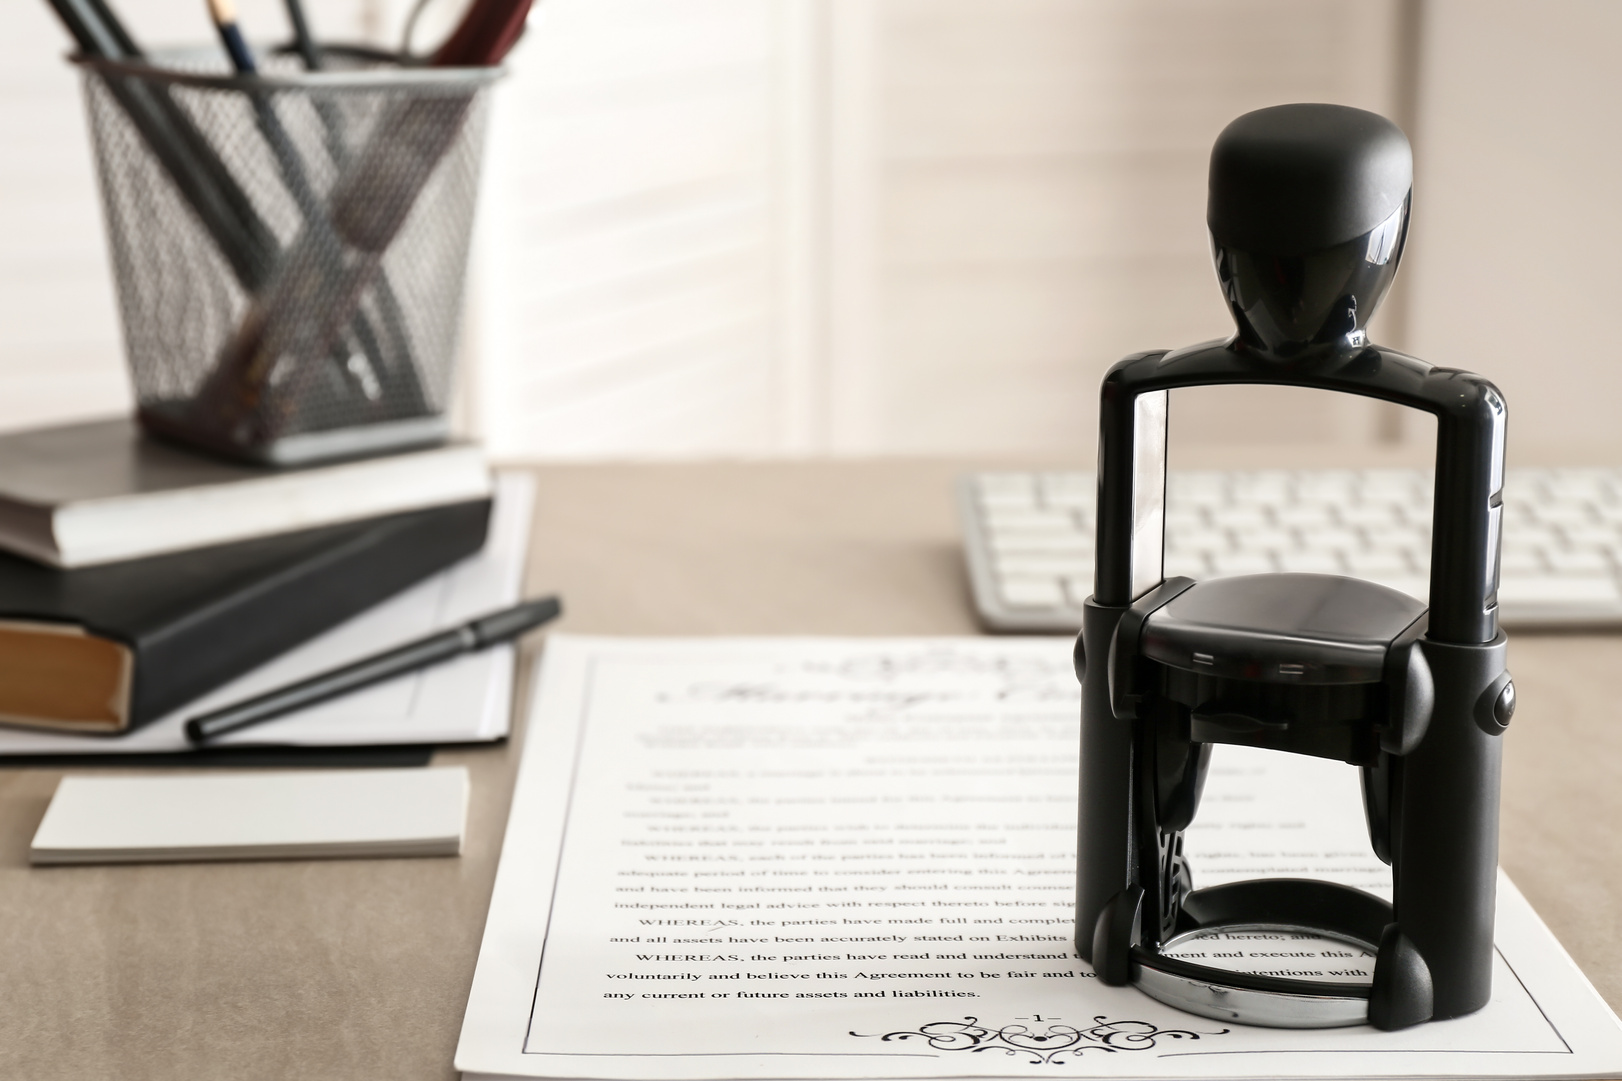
1470	419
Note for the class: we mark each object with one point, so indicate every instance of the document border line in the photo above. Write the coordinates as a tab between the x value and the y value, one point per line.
732	1054
563	842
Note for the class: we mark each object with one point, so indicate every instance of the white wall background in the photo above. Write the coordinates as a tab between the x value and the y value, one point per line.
1518	222
58	332
760	227
634	231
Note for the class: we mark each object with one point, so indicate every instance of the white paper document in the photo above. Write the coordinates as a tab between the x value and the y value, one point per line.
846	858
465	700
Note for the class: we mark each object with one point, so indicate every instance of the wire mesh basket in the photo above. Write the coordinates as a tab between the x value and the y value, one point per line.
289	249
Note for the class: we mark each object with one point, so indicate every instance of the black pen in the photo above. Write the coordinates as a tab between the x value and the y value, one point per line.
482	632
303	41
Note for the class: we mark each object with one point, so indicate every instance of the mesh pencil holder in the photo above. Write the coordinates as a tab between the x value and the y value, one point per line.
289	249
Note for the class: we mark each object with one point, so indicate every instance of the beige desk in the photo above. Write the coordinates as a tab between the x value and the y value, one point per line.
360	969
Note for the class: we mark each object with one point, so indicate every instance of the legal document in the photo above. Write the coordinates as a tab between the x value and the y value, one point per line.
854	858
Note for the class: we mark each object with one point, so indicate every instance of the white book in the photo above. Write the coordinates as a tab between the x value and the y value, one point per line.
308	814
855	859
99	492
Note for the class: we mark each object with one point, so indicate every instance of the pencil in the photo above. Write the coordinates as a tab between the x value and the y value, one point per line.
225	21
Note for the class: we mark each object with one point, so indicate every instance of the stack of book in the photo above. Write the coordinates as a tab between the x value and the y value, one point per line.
136	577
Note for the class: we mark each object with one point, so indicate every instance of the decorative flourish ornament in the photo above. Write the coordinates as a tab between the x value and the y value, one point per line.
1050	1046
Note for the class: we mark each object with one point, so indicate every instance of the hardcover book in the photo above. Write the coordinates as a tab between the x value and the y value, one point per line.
103	650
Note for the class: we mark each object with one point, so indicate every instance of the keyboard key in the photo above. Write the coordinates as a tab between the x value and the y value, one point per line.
1068	501
1184	518
1377	564
1184	481
1370	515
1389	485
1593	535
1260	489
1521	561
1228	564
1030	592
1040	566
1304	515
1240	518
1329	486
1197	540
1189	565
1583	591
1067	544
1577	561
1531	536
1009	500
1517	513
1333	539
1415	586
1576	485
1565	514
1397	536
1067	490
1267	540
1197	490
1030	521
1311	563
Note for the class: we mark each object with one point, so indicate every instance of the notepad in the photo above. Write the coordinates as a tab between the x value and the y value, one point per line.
324	814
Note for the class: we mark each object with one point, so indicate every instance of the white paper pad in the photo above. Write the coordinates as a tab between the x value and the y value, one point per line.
825	858
283	815
466	700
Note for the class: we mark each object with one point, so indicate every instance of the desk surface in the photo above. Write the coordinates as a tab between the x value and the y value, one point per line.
361	968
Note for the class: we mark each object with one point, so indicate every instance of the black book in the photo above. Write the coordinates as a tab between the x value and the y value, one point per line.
106	649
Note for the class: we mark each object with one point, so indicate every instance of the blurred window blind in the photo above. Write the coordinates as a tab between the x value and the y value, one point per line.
60	349
630	296
877	226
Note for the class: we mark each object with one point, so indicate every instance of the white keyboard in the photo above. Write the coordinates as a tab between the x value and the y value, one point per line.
1028	538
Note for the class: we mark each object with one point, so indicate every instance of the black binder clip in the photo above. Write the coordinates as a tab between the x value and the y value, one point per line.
1308	212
